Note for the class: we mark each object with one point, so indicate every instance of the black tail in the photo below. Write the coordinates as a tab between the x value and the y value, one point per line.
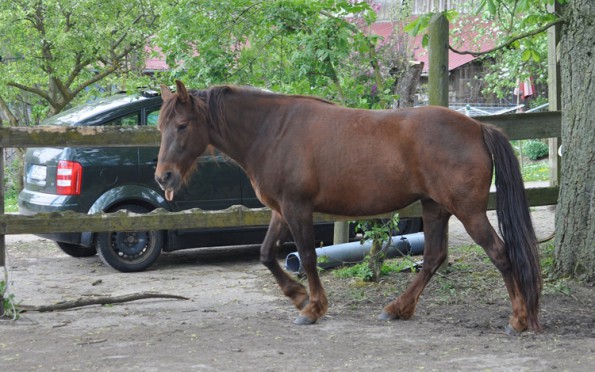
514	220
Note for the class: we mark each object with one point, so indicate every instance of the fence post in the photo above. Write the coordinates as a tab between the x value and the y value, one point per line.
438	60
2	241
341	232
438	72
554	93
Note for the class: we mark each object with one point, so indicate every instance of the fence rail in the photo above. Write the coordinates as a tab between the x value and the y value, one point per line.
517	126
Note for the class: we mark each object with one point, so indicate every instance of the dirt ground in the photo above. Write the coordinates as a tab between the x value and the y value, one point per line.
237	319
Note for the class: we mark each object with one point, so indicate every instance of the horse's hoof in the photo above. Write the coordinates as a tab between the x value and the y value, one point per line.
511	331
304	320
385	317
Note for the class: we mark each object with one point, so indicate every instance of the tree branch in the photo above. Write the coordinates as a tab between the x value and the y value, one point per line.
12	120
512	40
100	300
33	90
94	79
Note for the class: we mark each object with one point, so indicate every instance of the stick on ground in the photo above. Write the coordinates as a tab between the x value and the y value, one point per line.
100	300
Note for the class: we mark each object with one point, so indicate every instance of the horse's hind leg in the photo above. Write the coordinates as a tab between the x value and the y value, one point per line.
479	228
435	252
277	234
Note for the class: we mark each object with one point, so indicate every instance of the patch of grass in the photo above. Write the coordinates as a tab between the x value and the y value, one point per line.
11	203
551	282
9	306
363	272
536	171
546	253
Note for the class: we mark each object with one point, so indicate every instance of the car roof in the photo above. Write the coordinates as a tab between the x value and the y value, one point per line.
100	110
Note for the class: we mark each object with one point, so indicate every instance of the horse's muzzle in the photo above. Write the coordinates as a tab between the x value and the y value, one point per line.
169	182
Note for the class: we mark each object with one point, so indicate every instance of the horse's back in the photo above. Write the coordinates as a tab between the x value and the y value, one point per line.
358	162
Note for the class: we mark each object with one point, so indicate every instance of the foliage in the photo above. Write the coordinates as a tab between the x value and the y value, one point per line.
373	265
292	46
535	149
8	302
11	202
536	171
525	55
362	270
516	29
552	283
54	50
380	233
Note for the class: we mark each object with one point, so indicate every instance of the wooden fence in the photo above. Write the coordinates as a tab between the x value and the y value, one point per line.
517	127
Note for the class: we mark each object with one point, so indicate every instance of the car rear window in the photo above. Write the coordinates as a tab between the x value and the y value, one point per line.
83	112
152	117
127	120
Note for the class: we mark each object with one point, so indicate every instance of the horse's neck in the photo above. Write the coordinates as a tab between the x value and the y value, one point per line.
244	124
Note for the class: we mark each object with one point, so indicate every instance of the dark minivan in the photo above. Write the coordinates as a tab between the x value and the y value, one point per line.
108	179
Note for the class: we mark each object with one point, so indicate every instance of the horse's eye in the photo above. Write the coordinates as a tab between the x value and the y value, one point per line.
181	127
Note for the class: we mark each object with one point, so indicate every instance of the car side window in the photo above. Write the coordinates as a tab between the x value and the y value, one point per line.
127	121
152	116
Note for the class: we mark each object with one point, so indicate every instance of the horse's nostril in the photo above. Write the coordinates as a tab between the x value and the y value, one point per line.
164	178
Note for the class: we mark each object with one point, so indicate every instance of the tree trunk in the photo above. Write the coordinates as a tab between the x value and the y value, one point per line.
407	84
575	221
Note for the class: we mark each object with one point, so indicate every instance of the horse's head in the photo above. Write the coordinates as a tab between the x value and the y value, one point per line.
184	137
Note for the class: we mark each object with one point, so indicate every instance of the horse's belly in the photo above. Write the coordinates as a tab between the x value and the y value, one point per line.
371	201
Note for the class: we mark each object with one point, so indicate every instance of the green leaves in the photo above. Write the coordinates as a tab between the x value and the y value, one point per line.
57	49
418	25
296	46
10	307
530	54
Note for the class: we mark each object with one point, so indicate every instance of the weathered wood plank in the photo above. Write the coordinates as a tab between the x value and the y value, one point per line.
193	218
527	126
517	126
95	136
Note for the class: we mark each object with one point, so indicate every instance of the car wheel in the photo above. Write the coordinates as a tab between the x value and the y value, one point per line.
129	251
75	250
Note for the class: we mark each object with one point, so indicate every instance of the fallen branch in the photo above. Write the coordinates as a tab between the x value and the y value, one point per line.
99	300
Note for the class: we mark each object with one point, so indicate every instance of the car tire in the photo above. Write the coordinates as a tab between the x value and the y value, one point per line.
75	250
129	251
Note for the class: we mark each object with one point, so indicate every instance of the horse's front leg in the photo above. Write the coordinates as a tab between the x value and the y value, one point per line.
301	224
277	234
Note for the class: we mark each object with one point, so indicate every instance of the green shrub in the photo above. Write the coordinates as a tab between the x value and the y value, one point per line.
536	150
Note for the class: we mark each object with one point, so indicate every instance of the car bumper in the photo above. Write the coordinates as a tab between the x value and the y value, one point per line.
31	203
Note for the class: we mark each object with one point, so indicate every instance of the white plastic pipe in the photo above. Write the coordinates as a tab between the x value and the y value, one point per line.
354	252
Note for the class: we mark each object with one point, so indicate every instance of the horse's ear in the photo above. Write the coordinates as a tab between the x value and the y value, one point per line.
166	94
182	92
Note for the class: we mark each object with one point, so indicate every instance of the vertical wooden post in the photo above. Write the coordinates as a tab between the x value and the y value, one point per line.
554	94
438	71
341	232
2	241
438	60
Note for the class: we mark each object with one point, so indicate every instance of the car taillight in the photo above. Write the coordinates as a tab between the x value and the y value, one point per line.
69	176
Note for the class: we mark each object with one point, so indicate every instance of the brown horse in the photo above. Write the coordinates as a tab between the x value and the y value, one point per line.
306	155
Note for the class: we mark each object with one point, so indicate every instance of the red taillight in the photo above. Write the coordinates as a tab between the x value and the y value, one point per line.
69	176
